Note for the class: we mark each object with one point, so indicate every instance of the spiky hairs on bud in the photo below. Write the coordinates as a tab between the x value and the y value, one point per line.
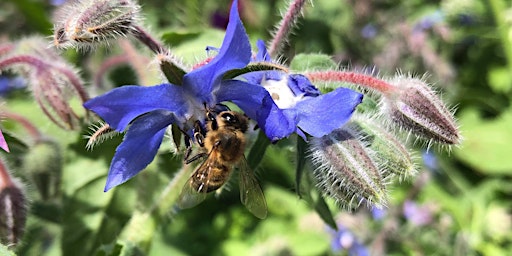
83	24
13	208
346	170
415	107
390	152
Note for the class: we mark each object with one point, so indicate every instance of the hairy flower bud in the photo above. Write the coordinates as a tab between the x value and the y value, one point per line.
85	23
44	165
51	79
415	107
13	211
346	170
390	152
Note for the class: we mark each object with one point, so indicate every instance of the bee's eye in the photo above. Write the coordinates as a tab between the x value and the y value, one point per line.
229	118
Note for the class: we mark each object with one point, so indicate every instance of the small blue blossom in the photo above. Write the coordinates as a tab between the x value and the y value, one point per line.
430	161
146	112
369	31
344	239
429	21
8	84
299	107
378	213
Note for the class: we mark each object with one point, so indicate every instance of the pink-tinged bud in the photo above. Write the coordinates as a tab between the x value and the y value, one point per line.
85	23
13	208
52	80
415	107
390	152
346	169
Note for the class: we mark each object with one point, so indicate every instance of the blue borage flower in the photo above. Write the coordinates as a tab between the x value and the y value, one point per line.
146	112
299	106
150	110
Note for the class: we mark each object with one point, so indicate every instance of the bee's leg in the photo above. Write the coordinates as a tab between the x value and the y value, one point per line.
188	147
199	133
194	158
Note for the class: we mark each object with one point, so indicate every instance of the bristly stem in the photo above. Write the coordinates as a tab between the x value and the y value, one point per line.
40	64
363	80
285	27
148	40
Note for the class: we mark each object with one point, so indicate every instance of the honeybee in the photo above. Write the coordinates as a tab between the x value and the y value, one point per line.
223	144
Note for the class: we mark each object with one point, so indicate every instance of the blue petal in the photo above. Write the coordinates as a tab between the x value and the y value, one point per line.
257	77
139	147
234	53
299	84
249	97
321	115
256	102
262	54
279	123
121	105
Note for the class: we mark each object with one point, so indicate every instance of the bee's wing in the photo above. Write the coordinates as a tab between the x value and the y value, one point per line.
251	194
189	196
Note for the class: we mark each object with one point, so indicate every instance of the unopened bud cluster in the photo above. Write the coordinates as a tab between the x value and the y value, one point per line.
85	23
356	162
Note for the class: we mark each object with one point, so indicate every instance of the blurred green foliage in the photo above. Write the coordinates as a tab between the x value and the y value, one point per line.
464	46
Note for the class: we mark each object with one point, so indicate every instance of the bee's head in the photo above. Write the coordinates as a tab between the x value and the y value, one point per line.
233	120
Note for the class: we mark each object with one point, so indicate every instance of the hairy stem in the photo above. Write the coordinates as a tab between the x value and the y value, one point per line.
285	27
363	80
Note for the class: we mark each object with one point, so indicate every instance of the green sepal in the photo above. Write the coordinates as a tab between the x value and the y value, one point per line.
257	66
172	72
301	162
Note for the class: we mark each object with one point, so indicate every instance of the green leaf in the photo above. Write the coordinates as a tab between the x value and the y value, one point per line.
120	249
5	251
500	79
190	44
324	212
312	62
486	146
34	14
